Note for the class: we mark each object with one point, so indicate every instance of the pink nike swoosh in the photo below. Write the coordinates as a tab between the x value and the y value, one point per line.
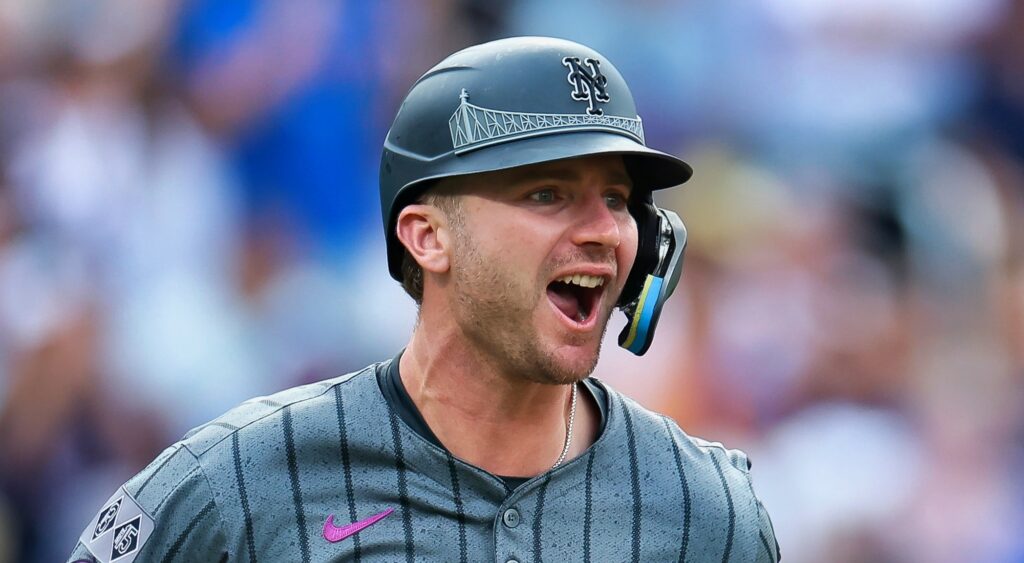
333	533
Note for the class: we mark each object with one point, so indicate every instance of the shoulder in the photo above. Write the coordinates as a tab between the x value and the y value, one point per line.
259	418
177	503
702	472
167	507
653	428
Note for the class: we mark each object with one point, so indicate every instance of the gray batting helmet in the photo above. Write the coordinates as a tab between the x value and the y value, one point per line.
527	100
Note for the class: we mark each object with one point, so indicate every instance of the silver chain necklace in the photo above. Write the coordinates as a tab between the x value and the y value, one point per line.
568	429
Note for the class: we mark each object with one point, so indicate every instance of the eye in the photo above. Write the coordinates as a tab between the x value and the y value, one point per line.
615	200
546	195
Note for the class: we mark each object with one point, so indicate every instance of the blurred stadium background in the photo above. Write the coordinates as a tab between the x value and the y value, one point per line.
189	217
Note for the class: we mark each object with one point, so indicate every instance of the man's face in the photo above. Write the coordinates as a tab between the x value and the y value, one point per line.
527	244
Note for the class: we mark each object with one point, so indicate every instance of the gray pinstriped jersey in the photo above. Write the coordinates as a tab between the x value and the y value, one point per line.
259	483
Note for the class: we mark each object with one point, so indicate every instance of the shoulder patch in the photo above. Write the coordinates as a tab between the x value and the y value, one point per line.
118	532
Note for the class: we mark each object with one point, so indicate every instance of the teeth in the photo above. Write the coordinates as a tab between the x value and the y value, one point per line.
583	280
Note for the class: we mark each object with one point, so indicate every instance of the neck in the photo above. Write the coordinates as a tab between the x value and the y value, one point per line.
500	422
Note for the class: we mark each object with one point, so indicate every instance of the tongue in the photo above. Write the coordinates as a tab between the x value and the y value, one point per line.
565	299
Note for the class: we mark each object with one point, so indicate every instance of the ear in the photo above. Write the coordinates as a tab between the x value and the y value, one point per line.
423	231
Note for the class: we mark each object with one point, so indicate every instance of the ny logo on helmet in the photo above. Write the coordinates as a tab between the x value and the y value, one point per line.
587	85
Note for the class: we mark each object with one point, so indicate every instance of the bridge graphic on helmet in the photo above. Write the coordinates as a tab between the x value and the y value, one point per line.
474	127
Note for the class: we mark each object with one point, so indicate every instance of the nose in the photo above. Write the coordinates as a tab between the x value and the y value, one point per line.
596	224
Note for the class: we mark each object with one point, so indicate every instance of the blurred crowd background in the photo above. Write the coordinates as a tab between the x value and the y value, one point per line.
189	217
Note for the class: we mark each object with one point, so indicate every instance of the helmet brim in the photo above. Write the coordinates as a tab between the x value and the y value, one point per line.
650	169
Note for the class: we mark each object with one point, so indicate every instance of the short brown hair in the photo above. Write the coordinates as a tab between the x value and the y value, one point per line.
412	273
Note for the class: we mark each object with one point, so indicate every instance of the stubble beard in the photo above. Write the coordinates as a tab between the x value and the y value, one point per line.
496	314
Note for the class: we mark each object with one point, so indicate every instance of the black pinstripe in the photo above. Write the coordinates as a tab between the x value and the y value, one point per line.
634	479
764	543
155	471
538	527
773	554
180	541
403	491
463	548
587	506
293	474
250	541
686	492
170	491
346	466
732	511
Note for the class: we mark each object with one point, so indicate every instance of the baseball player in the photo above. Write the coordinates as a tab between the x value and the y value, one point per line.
515	190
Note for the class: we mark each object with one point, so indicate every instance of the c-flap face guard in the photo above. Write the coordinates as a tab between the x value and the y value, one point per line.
644	312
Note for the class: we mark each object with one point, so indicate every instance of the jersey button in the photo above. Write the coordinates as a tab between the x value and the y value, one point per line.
511	518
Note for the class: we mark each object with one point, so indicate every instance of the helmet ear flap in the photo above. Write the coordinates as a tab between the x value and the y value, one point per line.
641	206
662	264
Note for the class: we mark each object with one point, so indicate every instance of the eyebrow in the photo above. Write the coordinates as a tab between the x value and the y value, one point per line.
615	177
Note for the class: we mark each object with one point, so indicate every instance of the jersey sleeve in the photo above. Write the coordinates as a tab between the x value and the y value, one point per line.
165	513
766	533
771	553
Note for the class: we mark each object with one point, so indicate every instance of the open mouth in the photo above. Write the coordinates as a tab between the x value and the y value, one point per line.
576	296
